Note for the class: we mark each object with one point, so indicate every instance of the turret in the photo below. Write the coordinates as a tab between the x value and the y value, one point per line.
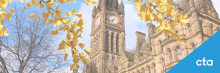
150	27
94	10
121	7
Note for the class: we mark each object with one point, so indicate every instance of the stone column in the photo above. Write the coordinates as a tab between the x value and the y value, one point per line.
114	42
109	41
196	20
174	55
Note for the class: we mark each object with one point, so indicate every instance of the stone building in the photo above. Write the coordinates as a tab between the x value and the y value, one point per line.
157	53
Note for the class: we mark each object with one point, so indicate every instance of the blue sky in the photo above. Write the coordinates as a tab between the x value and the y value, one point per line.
132	22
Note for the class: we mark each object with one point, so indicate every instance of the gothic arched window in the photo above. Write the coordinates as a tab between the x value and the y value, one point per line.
190	29
112	37
170	55
161	48
177	32
117	47
149	69
193	46
179	53
143	70
155	69
146	53
164	66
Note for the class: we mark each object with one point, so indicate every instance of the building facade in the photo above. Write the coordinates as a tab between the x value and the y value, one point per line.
157	53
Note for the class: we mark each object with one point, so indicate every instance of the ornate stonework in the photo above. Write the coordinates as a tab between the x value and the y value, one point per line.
157	53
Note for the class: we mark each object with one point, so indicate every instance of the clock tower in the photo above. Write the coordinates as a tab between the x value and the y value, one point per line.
107	35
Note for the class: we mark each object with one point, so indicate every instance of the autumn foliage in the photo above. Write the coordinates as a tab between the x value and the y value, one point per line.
151	10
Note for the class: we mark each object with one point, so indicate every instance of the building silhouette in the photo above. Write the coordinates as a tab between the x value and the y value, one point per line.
157	53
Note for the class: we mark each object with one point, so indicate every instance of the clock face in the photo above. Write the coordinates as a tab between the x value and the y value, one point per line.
97	21
113	19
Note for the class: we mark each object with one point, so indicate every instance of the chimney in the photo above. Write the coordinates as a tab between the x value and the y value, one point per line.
140	39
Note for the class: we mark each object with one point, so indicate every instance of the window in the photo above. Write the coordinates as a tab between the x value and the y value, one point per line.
149	70
112	42
138	71
179	53
117	47
194	46
170	56
155	69
146	54
177	32
164	66
143	70
161	48
190	30
113	58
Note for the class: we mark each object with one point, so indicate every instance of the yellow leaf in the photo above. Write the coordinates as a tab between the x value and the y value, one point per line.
74	10
170	2
2	22
81	45
48	5
51	1
72	67
29	4
39	5
152	17
88	2
34	2
61	1
173	12
94	3
76	59
38	19
8	16
62	45
68	1
66	21
83	58
183	21
65	56
50	21
45	15
55	2
180	15
11	10
1	26
21	1
54	32
138	5
45	21
169	11
69	14
57	23
88	50
3	32
3	6
74	1
166	32
32	15
24	9
51	13
9	1
77	66
79	15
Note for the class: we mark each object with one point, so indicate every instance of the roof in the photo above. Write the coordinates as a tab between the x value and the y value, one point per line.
130	55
